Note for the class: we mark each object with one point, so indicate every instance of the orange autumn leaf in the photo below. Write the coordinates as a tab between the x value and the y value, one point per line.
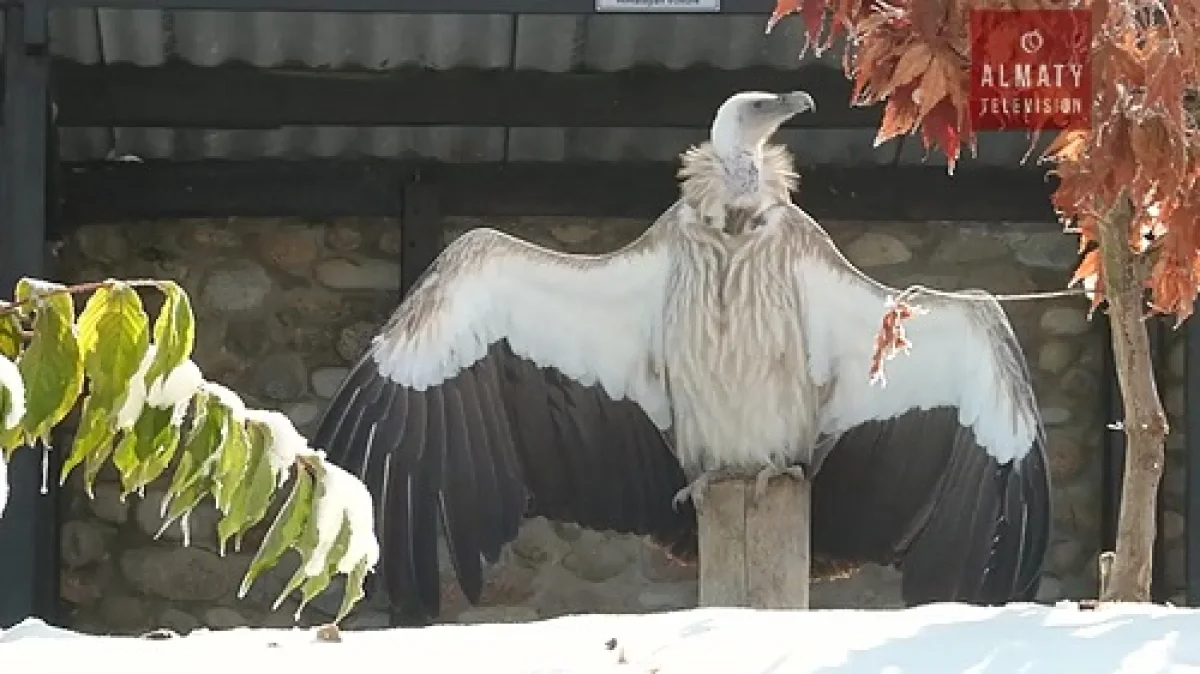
782	9
811	11
912	64
899	116
911	56
1090	274
940	128
843	13
1176	274
1067	146
1088	267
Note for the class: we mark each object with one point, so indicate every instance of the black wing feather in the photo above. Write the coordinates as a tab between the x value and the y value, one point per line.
920	493
461	514
484	459
510	480
428	498
501	441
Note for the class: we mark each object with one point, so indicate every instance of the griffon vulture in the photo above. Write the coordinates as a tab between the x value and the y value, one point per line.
732	337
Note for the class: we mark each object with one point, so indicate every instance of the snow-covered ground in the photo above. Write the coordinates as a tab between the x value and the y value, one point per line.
939	639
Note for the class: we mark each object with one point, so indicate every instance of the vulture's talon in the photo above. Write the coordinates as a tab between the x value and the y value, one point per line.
694	491
762	481
697	488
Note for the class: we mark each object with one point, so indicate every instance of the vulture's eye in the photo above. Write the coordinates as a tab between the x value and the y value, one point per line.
758	105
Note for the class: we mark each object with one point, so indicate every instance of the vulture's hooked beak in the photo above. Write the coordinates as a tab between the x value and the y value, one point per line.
798	101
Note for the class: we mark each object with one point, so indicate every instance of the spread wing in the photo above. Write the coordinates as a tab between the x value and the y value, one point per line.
513	381
943	471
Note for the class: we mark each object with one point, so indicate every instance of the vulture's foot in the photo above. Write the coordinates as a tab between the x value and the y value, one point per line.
695	490
795	471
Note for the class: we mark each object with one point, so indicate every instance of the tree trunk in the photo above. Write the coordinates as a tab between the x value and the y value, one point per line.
1144	421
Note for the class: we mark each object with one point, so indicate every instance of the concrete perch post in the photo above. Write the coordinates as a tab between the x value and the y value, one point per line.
755	555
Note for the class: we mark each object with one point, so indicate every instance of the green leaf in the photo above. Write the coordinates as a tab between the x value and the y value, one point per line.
94	462
114	333
202	443
28	288
262	482
51	366
250	504
305	543
284	531
354	589
159	457
140	461
231	465
10	336
191	480
293	584
10	440
5	403
93	439
317	584
174	332
183	501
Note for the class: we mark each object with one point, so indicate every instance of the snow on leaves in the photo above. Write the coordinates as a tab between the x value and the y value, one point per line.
141	385
12	395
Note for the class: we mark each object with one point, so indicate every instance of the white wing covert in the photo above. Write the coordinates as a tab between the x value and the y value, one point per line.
945	466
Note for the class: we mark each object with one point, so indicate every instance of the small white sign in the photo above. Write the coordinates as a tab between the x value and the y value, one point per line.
658	5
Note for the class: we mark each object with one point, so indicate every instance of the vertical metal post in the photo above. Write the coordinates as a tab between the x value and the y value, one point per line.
421	235
29	528
1113	467
1192	461
423	229
1160	589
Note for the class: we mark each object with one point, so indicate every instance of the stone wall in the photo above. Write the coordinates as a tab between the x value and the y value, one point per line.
285	305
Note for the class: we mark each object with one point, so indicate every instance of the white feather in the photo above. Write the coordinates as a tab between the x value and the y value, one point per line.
957	358
594	318
743	397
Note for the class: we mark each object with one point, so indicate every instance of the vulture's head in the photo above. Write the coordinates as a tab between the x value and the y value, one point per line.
747	120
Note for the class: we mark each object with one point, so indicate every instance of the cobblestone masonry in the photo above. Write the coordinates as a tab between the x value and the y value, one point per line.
285	305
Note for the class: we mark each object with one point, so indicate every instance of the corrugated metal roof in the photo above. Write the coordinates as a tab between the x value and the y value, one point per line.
383	41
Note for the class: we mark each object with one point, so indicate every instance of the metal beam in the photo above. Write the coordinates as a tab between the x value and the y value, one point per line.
762	7
241	96
163	190
28	529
